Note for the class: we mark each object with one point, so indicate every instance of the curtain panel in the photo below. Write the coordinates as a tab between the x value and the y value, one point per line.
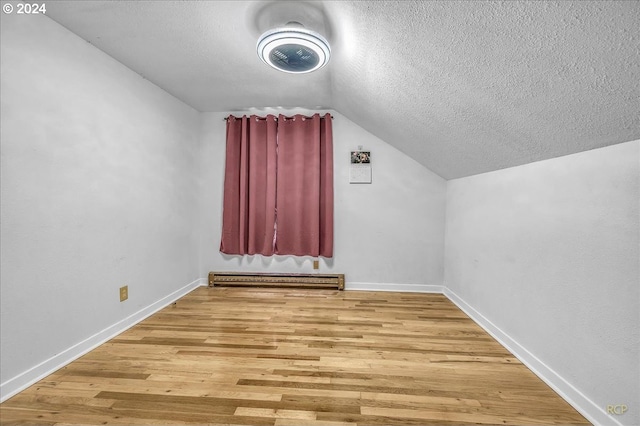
278	188
249	186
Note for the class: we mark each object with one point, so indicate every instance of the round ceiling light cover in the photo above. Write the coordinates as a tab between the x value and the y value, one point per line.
294	50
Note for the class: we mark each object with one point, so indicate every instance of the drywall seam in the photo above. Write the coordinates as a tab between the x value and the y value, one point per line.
568	392
23	380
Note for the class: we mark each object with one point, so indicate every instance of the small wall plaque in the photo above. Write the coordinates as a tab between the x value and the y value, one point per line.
360	170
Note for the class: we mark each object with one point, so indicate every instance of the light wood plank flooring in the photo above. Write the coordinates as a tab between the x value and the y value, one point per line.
296	357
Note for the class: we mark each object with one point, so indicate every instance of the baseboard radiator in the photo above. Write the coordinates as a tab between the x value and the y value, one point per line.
256	279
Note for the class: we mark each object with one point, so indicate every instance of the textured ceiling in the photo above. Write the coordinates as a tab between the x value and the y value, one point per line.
462	87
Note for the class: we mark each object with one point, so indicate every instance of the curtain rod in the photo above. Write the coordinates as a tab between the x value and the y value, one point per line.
264	118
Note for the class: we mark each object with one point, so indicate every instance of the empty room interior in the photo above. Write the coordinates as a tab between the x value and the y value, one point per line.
478	201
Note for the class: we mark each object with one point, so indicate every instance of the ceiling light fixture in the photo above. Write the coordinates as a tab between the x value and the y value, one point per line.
294	49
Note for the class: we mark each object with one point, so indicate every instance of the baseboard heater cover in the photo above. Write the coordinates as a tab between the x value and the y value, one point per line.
257	279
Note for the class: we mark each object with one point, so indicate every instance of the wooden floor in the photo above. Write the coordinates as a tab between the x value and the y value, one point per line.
296	357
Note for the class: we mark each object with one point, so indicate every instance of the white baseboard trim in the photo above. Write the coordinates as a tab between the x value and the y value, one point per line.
590	410
412	288
23	380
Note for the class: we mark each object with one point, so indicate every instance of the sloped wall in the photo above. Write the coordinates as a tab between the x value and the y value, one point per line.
548	253
98	191
389	235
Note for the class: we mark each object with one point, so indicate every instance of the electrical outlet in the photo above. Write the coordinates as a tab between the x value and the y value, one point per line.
316	264
124	293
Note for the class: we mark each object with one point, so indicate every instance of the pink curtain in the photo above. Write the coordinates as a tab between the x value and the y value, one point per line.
278	190
305	186
248	217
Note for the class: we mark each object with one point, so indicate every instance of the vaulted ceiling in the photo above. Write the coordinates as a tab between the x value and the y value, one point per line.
462	87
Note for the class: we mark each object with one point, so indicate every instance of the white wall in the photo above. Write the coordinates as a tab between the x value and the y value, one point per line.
98	191
548	253
388	234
